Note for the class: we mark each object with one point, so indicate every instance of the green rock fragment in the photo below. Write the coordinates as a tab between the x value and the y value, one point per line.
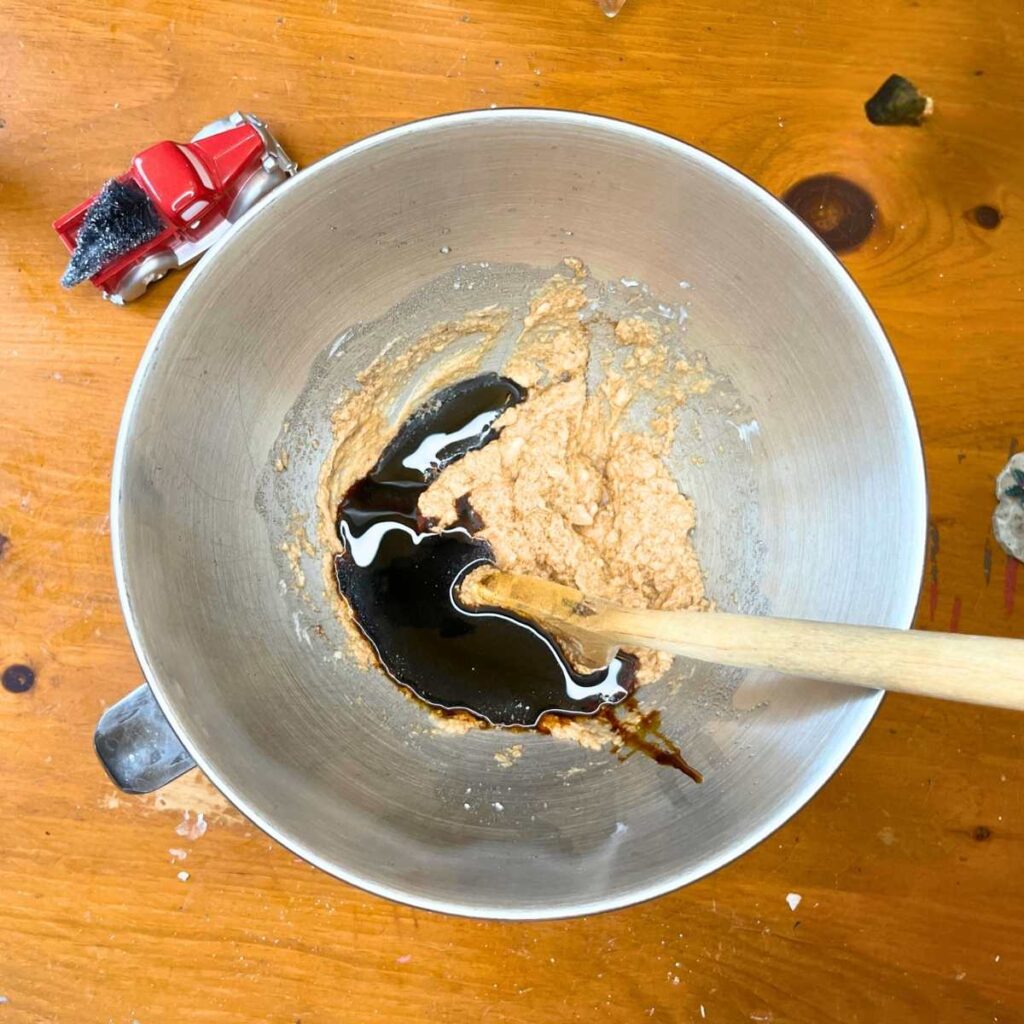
898	102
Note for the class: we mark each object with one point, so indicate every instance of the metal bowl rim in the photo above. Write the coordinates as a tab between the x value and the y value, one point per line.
642	137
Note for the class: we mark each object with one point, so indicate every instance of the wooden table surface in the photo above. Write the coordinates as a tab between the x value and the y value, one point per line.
908	863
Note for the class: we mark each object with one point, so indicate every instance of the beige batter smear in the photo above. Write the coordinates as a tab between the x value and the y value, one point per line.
568	490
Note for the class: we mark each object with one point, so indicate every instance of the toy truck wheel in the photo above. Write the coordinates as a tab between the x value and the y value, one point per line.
259	184
142	275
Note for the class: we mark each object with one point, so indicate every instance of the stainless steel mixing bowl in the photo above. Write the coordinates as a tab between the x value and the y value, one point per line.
337	764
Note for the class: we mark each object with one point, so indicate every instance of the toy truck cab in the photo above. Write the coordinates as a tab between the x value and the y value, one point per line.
179	184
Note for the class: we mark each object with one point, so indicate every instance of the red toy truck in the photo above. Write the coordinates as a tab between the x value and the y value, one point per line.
197	190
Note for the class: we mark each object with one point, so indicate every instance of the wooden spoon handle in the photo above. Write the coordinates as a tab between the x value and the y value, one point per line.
978	669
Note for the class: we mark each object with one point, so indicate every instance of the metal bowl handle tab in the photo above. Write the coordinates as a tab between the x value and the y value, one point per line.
137	745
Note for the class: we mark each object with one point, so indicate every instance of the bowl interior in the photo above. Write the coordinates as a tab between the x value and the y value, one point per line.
332	759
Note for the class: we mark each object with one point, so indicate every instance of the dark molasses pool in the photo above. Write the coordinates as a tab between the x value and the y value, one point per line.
400	577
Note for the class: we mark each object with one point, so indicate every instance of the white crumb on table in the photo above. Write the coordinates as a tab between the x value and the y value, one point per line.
192	828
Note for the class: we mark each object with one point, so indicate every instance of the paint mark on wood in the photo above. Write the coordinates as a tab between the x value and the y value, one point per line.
986	216
986	561
933	569
5	545
18	678
1010	583
954	616
981	833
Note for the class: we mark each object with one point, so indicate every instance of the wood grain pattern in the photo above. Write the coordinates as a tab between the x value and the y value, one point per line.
908	863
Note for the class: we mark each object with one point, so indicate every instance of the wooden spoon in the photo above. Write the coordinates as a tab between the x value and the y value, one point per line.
978	669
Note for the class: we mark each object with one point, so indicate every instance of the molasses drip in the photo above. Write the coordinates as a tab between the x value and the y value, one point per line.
401	579
642	734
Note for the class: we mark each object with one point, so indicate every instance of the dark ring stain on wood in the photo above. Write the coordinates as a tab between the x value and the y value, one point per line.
981	833
986	216
839	211
18	678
